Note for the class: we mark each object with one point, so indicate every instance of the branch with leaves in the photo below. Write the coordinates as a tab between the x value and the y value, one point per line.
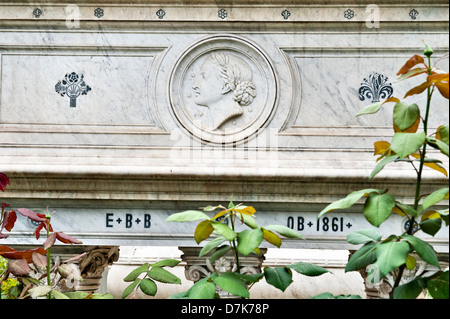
409	144
226	238
21	262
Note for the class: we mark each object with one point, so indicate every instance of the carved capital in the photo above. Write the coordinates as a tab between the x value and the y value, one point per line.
197	268
380	289
93	265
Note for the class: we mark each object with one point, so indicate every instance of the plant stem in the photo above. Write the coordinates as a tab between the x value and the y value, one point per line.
49	296
410	229
236	253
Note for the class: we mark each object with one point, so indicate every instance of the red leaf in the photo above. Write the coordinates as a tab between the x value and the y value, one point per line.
8	220
37	231
419	89
443	89
40	261
50	241
4	180
414	60
18	267
4	205
3	236
67	239
31	215
10	253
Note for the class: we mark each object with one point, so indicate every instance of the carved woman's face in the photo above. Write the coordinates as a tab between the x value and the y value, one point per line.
209	86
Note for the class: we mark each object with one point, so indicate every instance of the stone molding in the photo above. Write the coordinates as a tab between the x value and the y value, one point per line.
237	11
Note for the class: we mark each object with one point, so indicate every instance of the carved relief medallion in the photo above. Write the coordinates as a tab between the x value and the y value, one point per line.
223	89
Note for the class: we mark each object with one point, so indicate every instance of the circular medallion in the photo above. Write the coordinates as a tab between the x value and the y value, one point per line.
223	89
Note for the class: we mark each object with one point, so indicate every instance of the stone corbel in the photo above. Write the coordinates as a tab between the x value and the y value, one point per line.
93	265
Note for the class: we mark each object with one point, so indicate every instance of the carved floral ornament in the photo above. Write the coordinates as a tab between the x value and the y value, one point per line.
223	89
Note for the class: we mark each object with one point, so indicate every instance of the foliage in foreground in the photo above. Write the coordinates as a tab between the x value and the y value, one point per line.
394	254
225	239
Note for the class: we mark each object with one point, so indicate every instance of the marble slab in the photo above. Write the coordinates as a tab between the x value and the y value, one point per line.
147	227
108	106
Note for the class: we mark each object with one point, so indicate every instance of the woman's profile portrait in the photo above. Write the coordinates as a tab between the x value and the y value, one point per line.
224	85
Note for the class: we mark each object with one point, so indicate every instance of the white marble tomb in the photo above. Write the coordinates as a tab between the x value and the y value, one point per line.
133	110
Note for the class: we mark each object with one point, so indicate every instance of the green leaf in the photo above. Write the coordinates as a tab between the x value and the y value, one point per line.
363	236
444	216
382	164
308	269
224	230
211	208
148	287
203	289
378	208
405	115
249	240
231	283
435	198
443	133
203	230
167	263
130	288
370	109
411	289
78	295
284	231
443	147
348	201
180	295
59	295
407	209
438	287
431	226
135	273
329	295
404	144
423	249
102	296
187	216
390	255
362	257
211	245
219	253
162	275
249	221
249	279
279	277
39	291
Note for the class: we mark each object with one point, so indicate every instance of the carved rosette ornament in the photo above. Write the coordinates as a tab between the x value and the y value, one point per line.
223	89
200	267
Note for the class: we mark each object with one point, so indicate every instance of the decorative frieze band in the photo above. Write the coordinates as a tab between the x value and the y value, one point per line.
213	12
